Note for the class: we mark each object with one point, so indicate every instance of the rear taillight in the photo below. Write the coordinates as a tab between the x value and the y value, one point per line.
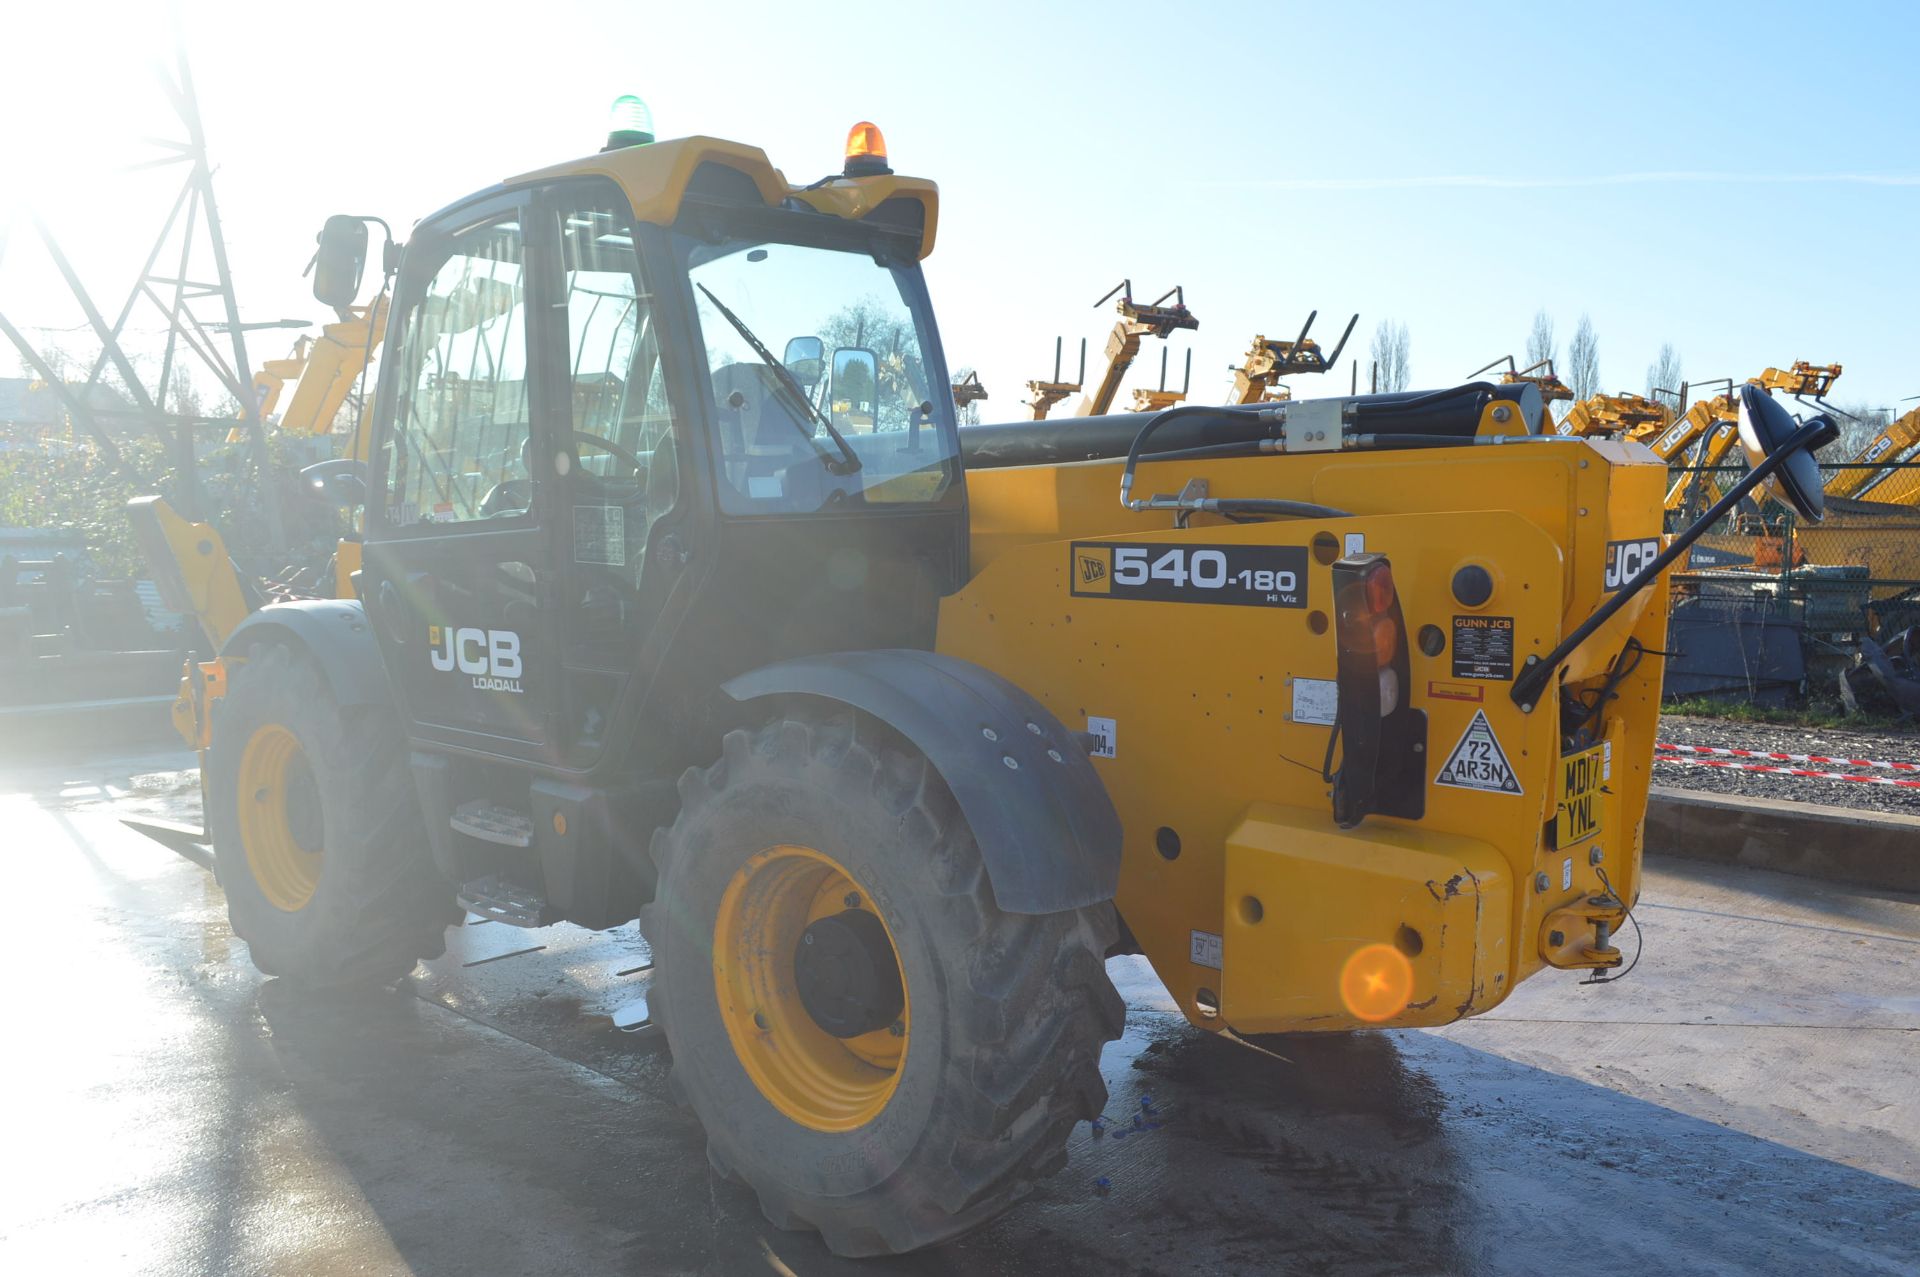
1381	736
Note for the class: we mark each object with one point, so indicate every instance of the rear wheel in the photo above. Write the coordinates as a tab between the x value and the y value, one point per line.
874	1047
316	831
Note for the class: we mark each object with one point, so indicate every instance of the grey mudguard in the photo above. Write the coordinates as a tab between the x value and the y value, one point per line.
335	633
1038	810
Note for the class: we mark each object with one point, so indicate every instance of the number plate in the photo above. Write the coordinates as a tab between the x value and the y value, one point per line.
1247	575
1578	796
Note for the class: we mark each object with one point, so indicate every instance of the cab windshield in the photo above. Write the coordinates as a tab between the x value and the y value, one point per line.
821	393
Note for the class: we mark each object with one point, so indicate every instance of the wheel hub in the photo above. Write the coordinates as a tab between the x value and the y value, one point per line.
846	974
803	962
282	825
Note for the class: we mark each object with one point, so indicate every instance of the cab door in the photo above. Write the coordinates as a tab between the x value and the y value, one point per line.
619	458
458	575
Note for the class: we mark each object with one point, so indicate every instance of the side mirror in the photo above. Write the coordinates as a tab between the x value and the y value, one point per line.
1765	428
805	358
340	261
856	388
343	481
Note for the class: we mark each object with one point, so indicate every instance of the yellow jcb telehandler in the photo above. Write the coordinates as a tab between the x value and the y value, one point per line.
1341	711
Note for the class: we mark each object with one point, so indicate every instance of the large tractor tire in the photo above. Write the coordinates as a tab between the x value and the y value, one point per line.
316	831
874	1047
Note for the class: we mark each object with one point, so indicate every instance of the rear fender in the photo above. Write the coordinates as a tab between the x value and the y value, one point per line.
1039	811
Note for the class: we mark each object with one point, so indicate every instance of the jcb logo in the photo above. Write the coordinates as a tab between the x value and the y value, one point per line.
1091	567
1625	559
491	657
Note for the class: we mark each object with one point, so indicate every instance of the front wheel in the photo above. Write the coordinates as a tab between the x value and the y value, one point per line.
874	1046
317	836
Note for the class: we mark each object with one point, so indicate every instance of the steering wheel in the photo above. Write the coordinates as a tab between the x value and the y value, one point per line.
638	466
509	496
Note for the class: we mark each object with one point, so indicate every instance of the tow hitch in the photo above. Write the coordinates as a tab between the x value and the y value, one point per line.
1579	936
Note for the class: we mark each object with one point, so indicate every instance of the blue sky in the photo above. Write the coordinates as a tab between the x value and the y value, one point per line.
1741	180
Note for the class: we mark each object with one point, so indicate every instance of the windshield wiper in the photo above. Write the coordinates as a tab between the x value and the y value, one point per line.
849	462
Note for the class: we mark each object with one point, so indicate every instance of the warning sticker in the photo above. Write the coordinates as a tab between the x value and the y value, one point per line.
1206	950
1483	647
1316	700
1478	762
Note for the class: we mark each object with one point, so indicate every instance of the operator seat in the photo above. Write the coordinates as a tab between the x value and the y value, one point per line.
760	435
663	480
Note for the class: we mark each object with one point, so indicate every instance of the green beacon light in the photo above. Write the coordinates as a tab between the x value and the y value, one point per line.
632	123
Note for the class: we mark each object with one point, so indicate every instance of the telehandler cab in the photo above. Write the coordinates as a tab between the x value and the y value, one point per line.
891	733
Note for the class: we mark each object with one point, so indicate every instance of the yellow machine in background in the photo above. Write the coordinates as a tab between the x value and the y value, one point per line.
968	390
1896	443
1137	320
324	370
190	562
1257	379
1710	428
1623	416
1539	375
1048	393
1145	400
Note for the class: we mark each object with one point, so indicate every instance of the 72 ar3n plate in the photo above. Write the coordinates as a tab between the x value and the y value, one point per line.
1246	575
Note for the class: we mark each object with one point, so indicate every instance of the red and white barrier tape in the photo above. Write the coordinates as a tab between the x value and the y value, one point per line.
1722	752
1855	777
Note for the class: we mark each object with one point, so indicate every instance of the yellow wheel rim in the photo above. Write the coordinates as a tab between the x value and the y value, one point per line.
821	1081
280	822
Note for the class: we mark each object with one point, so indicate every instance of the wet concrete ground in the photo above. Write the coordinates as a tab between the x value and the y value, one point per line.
1748	1099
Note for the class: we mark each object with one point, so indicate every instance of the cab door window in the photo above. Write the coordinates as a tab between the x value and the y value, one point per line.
461	440
628	472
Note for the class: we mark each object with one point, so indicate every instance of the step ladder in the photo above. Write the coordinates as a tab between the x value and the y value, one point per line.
493	822
497	897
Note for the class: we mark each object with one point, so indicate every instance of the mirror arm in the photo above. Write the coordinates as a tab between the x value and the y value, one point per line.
1533	680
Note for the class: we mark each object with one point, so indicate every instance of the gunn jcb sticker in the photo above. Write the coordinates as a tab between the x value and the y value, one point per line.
1246	575
1483	647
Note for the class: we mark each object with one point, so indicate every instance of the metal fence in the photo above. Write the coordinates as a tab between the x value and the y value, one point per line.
1858	570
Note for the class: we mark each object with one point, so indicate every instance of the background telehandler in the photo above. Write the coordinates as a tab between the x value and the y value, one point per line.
677	601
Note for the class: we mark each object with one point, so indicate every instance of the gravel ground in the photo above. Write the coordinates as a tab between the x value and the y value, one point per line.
1892	746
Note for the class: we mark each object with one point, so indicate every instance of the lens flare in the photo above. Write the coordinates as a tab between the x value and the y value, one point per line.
1377	983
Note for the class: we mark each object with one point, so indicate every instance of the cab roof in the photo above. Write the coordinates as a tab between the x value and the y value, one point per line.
655	178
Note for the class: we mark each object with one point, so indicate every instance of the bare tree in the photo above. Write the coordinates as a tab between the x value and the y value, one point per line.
1859	424
185	396
1664	375
1540	342
1583	361
1390	372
